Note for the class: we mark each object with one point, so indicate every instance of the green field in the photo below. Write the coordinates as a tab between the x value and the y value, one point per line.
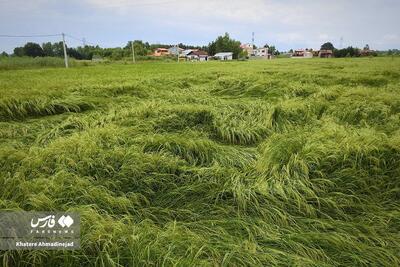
259	163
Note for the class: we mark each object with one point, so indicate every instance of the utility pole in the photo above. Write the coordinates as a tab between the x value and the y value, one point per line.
133	52
65	51
252	43
84	42
177	51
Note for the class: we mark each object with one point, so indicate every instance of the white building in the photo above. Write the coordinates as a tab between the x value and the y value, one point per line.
248	48
262	52
301	53
175	50
224	56
186	52
197	55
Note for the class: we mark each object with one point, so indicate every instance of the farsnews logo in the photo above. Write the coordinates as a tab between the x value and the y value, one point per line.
43	222
39	230
50	222
65	221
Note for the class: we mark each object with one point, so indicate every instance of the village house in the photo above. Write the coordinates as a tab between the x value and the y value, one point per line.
262	53
197	55
325	53
224	56
248	48
175	50
159	52
301	53
367	52
184	53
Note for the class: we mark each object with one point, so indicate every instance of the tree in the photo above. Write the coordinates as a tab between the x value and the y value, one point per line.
87	51
243	54
58	49
33	50
327	46
48	49
117	54
19	52
272	50
225	44
75	53
141	49
3	54
366	47
347	52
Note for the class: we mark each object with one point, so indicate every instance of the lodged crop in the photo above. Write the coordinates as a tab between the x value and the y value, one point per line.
260	163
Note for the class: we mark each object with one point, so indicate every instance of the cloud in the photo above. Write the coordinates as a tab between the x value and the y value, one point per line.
255	11
391	37
285	23
323	36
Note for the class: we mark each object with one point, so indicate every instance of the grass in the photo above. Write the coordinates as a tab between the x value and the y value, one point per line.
261	163
12	63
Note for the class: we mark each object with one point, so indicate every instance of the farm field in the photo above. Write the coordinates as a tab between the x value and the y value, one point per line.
258	163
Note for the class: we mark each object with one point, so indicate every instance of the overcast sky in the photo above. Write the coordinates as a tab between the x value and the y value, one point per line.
285	23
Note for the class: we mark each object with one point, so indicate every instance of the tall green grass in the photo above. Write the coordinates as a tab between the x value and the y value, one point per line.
12	63
261	163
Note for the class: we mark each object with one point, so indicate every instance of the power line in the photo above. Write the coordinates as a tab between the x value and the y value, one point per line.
83	40
29	36
139	4
75	38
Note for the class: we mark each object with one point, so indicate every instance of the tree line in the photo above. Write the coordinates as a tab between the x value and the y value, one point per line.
222	43
349	51
87	52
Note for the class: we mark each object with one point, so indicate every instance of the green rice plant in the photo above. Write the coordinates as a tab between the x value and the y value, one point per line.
195	151
115	90
241	124
257	163
293	113
171	119
14	109
248	87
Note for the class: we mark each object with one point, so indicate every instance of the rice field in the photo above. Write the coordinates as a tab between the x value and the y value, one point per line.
258	163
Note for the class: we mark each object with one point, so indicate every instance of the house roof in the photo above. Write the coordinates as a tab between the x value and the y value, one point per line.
187	52
223	54
326	51
198	53
174	47
243	46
